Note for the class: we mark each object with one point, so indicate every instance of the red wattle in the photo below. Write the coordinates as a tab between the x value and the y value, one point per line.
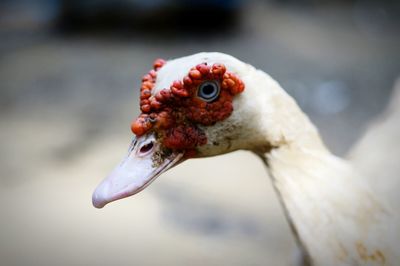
175	112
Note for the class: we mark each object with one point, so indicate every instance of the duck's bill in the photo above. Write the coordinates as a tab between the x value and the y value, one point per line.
145	161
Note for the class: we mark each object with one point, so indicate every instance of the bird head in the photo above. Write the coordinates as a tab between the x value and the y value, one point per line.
196	106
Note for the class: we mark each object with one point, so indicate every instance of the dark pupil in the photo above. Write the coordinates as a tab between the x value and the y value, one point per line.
146	148
208	89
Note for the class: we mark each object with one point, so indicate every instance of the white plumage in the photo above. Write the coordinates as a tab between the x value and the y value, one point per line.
376	154
336	217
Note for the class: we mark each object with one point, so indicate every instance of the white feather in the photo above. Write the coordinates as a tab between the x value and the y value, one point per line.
337	217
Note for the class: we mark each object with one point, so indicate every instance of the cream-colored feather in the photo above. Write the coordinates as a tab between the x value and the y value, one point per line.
336	216
376	154
339	219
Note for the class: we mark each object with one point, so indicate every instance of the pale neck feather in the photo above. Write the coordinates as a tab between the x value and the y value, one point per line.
337	218
332	211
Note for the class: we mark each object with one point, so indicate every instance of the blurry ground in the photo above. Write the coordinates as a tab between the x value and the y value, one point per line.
66	105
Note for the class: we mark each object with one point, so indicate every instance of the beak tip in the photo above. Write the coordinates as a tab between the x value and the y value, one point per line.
134	173
98	206
97	201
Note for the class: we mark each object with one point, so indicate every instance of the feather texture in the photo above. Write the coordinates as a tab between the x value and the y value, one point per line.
338	218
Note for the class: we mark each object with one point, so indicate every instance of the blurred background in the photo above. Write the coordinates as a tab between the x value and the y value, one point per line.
70	75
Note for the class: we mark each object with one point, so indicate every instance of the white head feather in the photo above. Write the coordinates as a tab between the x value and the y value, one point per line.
335	216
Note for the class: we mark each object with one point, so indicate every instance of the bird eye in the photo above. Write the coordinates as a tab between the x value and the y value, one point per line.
208	91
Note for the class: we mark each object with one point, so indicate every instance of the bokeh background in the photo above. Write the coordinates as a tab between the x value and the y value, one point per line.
69	79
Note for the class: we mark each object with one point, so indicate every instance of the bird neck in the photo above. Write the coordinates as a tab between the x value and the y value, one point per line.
297	175
334	217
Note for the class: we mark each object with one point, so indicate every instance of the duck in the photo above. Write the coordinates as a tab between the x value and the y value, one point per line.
211	103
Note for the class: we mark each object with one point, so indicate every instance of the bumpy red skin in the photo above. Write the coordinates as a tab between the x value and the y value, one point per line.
174	113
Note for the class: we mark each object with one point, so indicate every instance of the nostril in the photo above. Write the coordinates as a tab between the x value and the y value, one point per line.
147	147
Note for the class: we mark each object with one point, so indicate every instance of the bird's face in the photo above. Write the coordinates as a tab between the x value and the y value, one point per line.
187	111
